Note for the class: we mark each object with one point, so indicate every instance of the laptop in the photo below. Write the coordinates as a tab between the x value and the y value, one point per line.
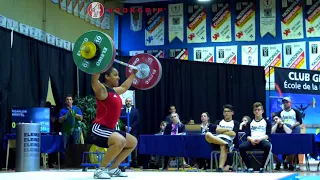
193	128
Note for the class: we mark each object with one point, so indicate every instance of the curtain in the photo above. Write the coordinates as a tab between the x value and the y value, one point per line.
196	87
30	72
5	71
63	74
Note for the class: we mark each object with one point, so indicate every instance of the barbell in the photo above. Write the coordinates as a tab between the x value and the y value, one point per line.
94	52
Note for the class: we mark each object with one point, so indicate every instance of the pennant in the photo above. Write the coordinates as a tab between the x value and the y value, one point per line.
175	22
268	17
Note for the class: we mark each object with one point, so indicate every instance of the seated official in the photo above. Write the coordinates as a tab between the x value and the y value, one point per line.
174	128
280	127
226	131
258	132
206	126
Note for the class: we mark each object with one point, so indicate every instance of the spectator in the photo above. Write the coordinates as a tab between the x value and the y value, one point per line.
258	134
245	121
69	117
171	110
226	130
280	127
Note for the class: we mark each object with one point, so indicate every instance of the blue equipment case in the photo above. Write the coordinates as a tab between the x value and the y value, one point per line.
85	156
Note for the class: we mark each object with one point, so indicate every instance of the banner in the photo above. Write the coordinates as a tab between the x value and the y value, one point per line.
3	21
75	6
268	17
312	12
154	33
245	29
221	22
297	81
178	54
270	56
249	55
175	21
133	53
196	30
314	55
156	53
291	19
226	54
294	55
136	19
203	54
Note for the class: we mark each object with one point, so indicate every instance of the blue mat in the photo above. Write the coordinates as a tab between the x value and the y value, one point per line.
309	177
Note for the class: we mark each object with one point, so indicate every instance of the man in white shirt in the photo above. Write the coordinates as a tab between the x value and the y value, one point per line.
258	133
293	118
226	130
290	116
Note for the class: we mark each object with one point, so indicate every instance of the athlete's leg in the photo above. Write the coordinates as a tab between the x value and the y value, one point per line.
130	145
116	142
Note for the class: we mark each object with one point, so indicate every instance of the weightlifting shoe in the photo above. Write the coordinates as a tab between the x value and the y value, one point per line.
101	174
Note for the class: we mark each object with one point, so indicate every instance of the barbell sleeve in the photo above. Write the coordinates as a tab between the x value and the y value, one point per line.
126	64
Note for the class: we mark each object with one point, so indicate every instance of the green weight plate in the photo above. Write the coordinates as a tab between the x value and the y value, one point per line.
105	53
114	54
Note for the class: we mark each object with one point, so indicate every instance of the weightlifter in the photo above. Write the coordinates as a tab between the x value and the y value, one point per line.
103	133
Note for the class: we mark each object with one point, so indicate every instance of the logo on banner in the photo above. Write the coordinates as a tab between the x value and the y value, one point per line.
314	49
268	9
288	50
221	53
265	52
198	54
95	10
175	9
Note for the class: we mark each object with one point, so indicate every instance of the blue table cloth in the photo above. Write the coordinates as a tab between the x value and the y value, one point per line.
293	143
195	146
49	143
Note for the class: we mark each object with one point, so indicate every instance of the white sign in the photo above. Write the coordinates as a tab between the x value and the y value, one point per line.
205	54
227	54
294	55
128	94
270	55
314	55
249	55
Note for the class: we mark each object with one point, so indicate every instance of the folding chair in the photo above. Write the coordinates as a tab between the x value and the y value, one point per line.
215	153
235	151
242	138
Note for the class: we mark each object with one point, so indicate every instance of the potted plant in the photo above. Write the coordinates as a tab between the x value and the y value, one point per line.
87	105
88	108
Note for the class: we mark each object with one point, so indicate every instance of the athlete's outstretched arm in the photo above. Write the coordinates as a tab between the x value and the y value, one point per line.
99	89
126	85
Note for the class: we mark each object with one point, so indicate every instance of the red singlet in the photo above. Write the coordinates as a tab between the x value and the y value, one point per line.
108	110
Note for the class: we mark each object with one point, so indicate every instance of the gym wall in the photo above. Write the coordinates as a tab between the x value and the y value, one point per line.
129	37
58	22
